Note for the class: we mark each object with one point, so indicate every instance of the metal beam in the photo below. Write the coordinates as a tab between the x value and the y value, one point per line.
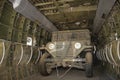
60	9
42	4
76	9
25	8
104	8
49	3
51	8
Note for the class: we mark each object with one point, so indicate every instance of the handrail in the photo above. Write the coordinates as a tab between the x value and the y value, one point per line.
30	55
3	53
39	55
21	54
114	62
107	55
118	52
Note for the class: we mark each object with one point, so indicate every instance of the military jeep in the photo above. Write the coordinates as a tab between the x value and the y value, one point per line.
68	49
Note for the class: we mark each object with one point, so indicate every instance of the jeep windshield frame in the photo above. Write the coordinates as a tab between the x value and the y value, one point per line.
71	35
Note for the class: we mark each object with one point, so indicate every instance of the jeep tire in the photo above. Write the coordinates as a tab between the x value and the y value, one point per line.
43	65
89	64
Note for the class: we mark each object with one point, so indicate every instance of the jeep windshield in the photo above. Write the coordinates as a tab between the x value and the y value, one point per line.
72	35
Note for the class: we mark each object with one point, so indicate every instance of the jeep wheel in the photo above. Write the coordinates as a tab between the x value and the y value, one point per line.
45	68
88	66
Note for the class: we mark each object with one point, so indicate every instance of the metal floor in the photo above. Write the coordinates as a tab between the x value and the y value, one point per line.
73	74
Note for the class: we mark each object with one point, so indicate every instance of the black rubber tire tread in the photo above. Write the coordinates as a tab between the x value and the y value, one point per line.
89	64
43	69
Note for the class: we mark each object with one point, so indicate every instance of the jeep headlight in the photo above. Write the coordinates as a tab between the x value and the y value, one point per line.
51	46
77	45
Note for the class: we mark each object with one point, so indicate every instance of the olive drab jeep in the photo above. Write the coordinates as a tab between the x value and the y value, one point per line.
68	49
